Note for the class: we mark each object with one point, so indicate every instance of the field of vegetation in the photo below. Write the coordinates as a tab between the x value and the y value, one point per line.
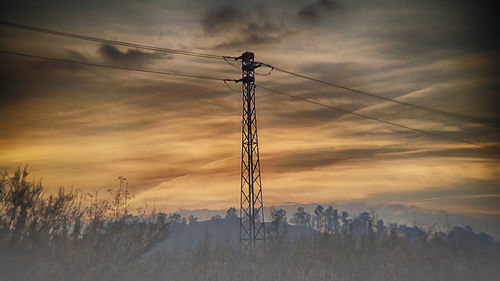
70	236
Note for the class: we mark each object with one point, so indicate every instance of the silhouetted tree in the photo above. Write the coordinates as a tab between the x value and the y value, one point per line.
279	229
176	218
216	218
360	226
301	218
192	219
393	237
330	220
318	218
232	214
346	222
381	231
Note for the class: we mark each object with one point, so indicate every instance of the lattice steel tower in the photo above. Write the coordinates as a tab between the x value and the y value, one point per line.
251	205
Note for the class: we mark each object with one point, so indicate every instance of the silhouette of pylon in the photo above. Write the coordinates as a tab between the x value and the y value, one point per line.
252	230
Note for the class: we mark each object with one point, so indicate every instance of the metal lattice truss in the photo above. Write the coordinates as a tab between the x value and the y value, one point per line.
251	203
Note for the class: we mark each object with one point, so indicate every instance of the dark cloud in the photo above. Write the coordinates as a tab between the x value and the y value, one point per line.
218	20
86	15
152	178
440	84
130	57
423	28
318	11
307	160
257	34
239	29
16	71
75	55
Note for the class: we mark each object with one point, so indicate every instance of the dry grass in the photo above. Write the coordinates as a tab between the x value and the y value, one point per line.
69	236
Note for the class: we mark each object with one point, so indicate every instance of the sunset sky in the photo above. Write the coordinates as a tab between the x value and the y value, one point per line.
178	140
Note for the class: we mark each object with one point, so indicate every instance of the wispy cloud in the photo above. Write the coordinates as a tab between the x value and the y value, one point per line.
178	140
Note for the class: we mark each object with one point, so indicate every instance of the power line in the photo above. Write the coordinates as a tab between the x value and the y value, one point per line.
377	119
114	67
217	57
228	62
225	80
433	110
225	83
108	41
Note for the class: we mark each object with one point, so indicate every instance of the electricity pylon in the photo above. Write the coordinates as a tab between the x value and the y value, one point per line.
252	229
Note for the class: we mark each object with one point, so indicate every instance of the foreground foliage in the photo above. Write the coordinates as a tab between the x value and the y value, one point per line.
68	236
72	237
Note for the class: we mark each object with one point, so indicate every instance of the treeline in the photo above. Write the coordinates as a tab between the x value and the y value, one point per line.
72	236
332	245
365	228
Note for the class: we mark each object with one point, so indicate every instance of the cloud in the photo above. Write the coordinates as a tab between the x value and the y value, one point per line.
318	11
449	26
318	158
218	20
257	34
15	71
75	55
154	129
295	160
237	29
130	57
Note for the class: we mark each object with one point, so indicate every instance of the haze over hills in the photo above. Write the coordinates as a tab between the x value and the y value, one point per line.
397	213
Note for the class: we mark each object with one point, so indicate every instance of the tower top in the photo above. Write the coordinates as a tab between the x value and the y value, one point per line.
247	56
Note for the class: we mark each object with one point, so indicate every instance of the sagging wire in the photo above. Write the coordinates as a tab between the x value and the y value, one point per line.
227	85
454	115
59	60
228	62
265	74
391	123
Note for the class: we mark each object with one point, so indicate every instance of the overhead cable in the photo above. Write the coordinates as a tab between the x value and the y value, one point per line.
433	110
113	66
424	132
108	41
